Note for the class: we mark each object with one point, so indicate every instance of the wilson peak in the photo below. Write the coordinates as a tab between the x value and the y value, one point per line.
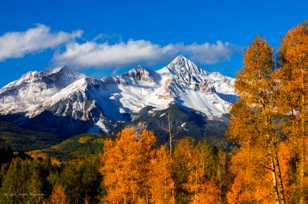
64	96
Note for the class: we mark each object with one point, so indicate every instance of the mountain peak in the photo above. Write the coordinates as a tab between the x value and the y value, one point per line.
183	72
63	70
138	68
58	69
181	64
64	74
140	73
180	59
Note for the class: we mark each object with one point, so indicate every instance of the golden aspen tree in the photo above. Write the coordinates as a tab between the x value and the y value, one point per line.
258	62
125	167
252	182
58	196
195	183
208	194
180	168
147	141
242	126
192	184
293	90
160	180
285	158
252	116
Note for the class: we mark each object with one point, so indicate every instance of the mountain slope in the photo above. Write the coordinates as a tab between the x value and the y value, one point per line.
21	139
65	102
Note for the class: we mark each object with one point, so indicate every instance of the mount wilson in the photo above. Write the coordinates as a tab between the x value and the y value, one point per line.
62	101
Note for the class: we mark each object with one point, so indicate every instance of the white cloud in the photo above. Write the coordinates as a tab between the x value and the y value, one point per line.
208	53
18	44
101	55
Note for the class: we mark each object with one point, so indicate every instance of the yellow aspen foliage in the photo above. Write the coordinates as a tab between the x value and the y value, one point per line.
191	174
253	177
160	180
258	178
208	194
294	46
58	196
285	154
292	83
294	63
243	127
125	166
251	116
291	78
251	81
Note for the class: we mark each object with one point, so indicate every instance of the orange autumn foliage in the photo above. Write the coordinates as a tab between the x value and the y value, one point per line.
269	123
253	182
251	82
160	179
125	166
292	83
208	194
57	196
256	165
135	171
191	165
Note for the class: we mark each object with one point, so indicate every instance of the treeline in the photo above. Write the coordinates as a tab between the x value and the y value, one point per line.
133	168
267	161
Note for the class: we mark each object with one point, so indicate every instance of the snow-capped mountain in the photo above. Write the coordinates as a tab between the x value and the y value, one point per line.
64	101
33	89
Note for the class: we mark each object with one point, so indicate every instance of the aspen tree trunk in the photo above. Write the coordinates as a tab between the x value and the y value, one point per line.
278	174
278	201
277	177
281	189
271	153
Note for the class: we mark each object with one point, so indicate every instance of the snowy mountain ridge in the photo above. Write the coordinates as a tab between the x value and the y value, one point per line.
101	104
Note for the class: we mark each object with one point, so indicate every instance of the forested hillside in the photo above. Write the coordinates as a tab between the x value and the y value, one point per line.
265	159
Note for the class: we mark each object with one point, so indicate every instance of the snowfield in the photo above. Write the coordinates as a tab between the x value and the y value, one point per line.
67	93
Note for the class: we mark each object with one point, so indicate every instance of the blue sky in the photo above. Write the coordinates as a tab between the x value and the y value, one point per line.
108	37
